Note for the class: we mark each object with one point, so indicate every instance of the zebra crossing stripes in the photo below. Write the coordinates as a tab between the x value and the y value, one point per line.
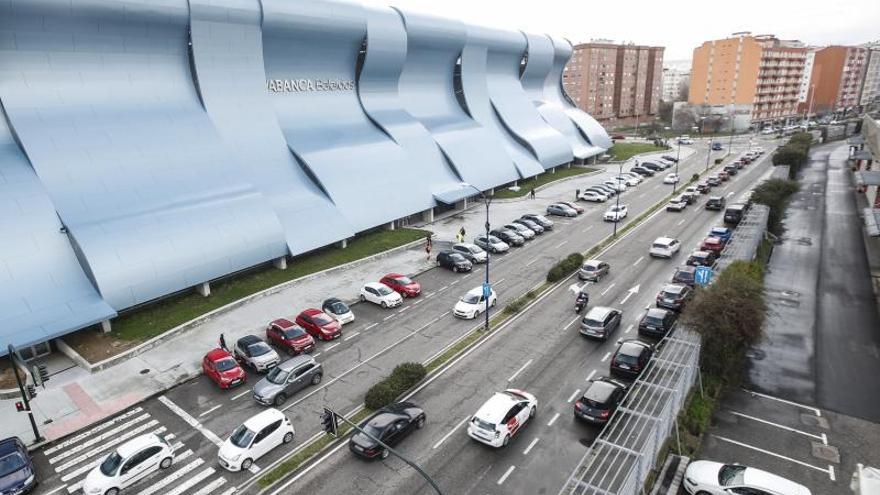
86	434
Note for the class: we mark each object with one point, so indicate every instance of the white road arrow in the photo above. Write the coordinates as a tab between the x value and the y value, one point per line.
577	288
634	290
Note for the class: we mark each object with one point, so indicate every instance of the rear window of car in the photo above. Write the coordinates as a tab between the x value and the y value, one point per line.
660	245
653	320
684	275
626	359
484	425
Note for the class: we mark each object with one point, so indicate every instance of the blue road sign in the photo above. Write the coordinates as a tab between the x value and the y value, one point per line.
487	289
703	275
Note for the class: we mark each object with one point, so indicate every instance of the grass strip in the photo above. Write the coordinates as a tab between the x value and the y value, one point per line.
541	179
625	151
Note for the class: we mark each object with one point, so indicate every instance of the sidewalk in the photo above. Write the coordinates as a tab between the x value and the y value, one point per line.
75	398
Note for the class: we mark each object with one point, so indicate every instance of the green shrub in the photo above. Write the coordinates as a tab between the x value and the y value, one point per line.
565	267
775	193
387	390
718	161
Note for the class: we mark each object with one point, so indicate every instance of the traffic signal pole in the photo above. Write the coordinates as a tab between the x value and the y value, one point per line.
13	357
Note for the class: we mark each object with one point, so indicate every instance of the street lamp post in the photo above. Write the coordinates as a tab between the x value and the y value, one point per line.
708	154
677	159
487	201
16	361
730	141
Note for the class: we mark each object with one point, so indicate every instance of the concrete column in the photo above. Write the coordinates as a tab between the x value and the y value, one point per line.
568	165
390	226
105	326
343	244
461	205
280	263
428	215
515	182
553	170
204	289
490	192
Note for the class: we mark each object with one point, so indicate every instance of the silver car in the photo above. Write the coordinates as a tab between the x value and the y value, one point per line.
522	230
288	378
491	244
472	252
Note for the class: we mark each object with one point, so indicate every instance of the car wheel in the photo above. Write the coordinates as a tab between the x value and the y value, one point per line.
112	491
384	454
494	302
383	304
246	464
420	423
506	440
288	437
703	493
454	269
280	399
533	412
166	463
363	298
316	379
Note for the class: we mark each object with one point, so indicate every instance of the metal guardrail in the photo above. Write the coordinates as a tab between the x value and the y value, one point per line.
626	449
747	237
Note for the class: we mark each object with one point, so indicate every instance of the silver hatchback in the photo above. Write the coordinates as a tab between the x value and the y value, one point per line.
288	378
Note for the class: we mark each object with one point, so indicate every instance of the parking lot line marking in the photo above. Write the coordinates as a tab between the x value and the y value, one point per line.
810	408
606	356
191	420
241	394
561	244
352	336
553	419
783	427
591	375
387	317
680	221
831	473
401	310
607	289
519	370
575	394
428	295
316	354
441	289
639	260
209	411
628	329
533	260
571	322
58	489
370	326
332	346
446	436
504	476
730	194
529	448
498	282
780	456
418	302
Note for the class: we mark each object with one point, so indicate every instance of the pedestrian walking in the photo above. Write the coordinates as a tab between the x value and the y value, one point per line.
223	343
462	232
428	251
532	194
459	237
577	194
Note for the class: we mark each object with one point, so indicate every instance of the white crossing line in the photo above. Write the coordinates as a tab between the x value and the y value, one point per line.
504	476
101	438
86	434
628	329
821	437
103	447
234	489
571	322
332	346
561	244
606	356
370	326
55	490
553	419
810	408
575	394
457	426
191	420
352	336
607	289
829	470
242	394
171	478
209	411
191	482
532	444
519	370
212	487
591	375
639	260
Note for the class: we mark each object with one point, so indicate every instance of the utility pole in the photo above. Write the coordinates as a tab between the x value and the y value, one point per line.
617	201
487	289
677	159
16	360
708	154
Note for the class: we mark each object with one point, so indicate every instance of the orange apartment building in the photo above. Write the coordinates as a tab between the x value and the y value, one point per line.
835	83
615	83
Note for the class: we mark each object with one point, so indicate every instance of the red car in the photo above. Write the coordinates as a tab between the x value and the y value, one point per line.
712	244
724	175
220	366
289	336
319	324
402	284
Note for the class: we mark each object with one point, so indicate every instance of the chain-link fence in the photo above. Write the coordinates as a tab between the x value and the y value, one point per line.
626	450
747	238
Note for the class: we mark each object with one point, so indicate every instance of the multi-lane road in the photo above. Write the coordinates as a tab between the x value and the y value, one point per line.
540	351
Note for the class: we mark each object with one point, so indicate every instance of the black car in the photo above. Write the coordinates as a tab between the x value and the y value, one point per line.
642	171
539	219
600	400
715	203
652	166
454	261
674	296
390	425
731	169
17	474
508	236
702	258
670	158
631	358
688	197
714	180
685	275
734	213
657	322
535	226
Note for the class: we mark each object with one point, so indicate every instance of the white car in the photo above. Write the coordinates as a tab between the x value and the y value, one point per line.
685	140
664	247
616	185
714	478
671	179
615	213
759	150
254	439
692	190
628	180
473	303
381	294
129	463
677	203
502	417
593	196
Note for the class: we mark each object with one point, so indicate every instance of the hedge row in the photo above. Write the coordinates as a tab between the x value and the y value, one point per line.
565	267
794	153
402	378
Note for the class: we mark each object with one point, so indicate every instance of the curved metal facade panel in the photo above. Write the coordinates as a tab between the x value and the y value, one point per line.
505	50
103	100
228	59
44	292
427	90
555	93
370	177
535	77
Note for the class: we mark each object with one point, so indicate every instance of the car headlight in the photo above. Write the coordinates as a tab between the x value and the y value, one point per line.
30	479
95	490
234	458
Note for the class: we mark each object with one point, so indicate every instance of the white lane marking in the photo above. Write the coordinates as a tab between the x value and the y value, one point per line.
561	244
529	448
553	419
352	336
639	260
401	310
572	322
56	489
586	230
591	375
418	302
209	411
830	471
575	394
241	394
103	437
254	469
821	437
498	282
211	487
628	329
504	476
454	282
441	316
388	317
533	260
370	326
316	354
810	408
191	482
103	447
606	356
607	289
332	346
191	420
446	436
681	221
428	295
519	370
730	194
641	195
171	478
441	289
86	434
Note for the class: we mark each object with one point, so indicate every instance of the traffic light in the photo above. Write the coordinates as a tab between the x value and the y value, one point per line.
329	423
19	406
40	374
31	391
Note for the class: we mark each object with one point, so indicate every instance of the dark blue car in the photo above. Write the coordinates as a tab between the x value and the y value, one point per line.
722	233
17	473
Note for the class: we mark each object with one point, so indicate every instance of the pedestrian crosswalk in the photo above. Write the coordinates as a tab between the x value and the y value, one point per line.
189	474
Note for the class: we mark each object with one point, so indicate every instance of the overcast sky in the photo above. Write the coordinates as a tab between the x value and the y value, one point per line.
679	26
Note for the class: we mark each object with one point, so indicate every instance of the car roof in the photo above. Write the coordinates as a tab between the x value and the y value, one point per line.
136	444
374	285
284	323
686	268
769	481
663	240
9	445
599	312
494	409
393	275
600	390
593	262
261	420
674	288
699	253
720	229
467	245
248	340
218	354
711	240
312	312
477	290
657	313
296	362
632	347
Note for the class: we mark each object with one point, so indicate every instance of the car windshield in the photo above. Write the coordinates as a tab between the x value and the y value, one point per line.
321	319
684	275
293	333
225	364
11	463
384	291
456	257
471	298
671	295
653	320
660	245
626	359
277	376
242	437
494	240
259	348
403	280
338	307
484	425
730	475
111	464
